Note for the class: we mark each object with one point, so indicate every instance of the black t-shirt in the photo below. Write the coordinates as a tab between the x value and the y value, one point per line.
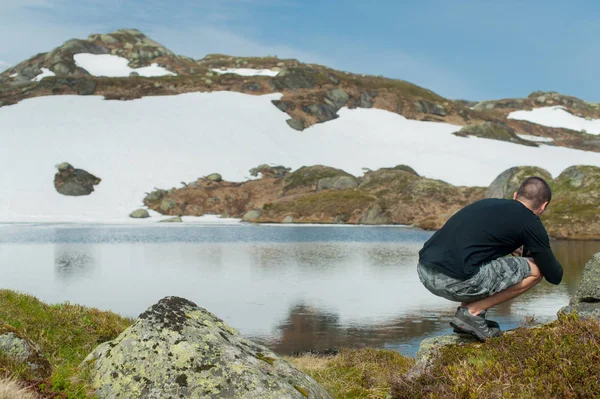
486	230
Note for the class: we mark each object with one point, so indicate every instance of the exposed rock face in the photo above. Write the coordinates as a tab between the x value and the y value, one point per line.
140	214
74	182
375	215
337	98
311	175
586	301
177	349
295	78
429	350
573	211
495	131
23	351
295	124
508	182
252	216
288	220
338	183
367	99
427	107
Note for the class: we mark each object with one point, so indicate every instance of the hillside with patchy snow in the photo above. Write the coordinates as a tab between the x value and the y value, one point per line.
186	118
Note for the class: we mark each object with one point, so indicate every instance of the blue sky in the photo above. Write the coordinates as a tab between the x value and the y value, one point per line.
461	49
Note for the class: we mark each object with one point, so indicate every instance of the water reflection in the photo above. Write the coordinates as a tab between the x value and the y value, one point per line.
293	288
73	261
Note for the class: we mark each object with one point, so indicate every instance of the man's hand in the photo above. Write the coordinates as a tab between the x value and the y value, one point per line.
518	252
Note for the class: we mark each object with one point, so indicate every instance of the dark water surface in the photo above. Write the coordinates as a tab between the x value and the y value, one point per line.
292	288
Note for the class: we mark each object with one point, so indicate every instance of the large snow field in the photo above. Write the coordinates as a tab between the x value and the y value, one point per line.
115	66
557	117
247	72
134	146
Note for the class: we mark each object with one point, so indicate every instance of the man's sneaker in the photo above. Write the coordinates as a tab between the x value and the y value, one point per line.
493	325
474	325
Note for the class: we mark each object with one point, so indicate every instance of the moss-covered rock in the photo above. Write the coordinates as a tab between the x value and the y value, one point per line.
337	182
252	216
508	182
21	352
216	177
494	130
573	211
175	219
140	214
310	175
177	349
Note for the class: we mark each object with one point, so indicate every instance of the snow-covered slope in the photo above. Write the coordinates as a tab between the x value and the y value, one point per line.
557	117
114	66
134	146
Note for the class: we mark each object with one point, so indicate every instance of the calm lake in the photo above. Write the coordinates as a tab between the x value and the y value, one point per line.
292	288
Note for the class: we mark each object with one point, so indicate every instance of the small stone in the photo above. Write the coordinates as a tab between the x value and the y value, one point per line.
140	214
215	177
252	215
176	219
288	220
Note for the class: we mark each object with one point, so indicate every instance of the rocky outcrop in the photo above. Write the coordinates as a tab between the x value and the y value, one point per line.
586	301
139	214
495	131
15	347
177	349
573	211
309	176
295	78
427	107
74	182
270	171
375	214
508	182
337	183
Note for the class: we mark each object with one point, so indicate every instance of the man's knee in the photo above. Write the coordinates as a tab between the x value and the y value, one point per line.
535	271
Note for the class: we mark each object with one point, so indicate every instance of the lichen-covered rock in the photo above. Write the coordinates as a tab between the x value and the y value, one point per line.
270	171
251	216
295	124
337	97
508	182
288	220
322	112
176	349
429	349
295	78
139	214
74	182
310	176
495	131
367	99
167	204
176	219
337	182
215	177
375	215
427	107
586	301
23	351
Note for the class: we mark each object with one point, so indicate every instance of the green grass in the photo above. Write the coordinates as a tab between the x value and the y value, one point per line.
355	374
330	202
65	334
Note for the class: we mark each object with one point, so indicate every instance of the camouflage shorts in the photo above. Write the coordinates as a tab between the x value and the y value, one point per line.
493	276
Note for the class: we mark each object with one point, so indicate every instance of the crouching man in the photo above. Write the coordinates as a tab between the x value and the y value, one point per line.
466	260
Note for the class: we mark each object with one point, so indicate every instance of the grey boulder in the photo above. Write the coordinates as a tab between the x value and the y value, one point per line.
176	349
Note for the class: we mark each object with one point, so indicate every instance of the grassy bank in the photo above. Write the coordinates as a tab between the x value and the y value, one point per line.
558	360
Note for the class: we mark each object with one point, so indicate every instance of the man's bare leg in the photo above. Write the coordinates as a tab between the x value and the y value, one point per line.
511	292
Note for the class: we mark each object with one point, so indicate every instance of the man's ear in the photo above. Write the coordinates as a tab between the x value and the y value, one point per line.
544	205
515	195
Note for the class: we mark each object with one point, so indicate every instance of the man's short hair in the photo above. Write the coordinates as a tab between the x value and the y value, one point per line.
535	190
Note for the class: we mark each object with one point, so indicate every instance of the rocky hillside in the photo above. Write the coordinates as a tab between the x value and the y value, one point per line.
321	194
311	93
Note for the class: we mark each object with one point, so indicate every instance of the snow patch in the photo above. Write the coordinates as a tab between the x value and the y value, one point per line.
14	75
557	117
161	141
537	139
248	72
45	73
114	66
